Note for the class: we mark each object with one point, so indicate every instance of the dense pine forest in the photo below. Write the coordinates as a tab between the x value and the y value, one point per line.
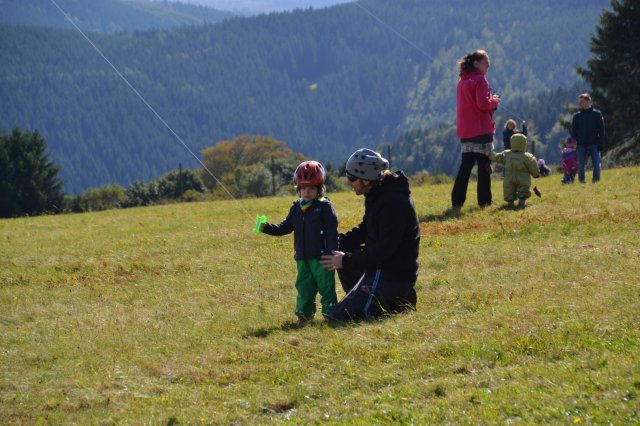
324	81
108	16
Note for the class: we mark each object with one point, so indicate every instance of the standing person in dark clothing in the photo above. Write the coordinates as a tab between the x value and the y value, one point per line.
587	128
475	127
377	261
510	130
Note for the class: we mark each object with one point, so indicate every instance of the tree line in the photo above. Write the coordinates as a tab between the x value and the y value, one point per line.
613	73
108	16
324	81
246	166
250	164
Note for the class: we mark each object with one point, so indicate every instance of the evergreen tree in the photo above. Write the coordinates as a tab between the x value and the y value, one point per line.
613	71
29	182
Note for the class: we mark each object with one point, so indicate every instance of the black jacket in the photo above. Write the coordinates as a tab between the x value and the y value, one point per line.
314	233
507	133
389	235
587	127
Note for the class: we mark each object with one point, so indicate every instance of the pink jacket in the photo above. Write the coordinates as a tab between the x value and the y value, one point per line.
475	106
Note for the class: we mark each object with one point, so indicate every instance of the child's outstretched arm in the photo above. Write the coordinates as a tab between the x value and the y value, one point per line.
532	165
283	228
497	157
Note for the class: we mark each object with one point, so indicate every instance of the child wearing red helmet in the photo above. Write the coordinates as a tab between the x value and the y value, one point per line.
314	224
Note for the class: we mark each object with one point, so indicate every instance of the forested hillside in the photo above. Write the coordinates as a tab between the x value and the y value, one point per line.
265	6
324	81
108	16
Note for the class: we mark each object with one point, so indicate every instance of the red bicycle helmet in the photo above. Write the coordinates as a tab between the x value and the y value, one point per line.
309	173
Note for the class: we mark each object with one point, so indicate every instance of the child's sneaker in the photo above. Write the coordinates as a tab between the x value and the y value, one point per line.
302	321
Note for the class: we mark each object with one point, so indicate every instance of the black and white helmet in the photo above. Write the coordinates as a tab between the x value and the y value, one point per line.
366	164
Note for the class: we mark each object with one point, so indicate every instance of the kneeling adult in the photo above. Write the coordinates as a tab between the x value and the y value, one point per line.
377	261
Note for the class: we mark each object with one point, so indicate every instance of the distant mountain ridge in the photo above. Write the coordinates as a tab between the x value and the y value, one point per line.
108	16
324	81
266	6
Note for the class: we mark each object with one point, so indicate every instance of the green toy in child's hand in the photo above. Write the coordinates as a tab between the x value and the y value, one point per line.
259	221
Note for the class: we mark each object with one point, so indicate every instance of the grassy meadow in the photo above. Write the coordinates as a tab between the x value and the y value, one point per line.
179	314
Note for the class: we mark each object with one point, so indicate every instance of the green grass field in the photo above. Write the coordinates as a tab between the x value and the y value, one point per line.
180	314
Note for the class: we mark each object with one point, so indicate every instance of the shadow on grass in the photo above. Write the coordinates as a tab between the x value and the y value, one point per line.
444	216
5	321
293	325
285	326
457	214
507	207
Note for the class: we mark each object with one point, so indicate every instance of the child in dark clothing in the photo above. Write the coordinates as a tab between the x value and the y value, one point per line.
542	166
314	224
569	160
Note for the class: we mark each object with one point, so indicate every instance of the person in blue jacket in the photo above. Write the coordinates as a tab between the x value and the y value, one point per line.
587	127
377	261
314	224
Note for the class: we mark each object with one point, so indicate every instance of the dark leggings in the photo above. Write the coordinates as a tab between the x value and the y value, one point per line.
459	192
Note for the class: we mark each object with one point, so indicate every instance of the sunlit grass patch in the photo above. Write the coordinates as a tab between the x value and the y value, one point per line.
180	314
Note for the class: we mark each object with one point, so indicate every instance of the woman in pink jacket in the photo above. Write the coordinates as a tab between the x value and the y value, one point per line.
475	127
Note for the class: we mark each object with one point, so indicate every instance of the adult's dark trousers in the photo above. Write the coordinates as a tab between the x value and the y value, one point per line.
459	192
584	152
371	297
349	279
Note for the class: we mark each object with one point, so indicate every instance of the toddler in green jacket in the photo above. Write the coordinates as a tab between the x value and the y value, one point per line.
519	166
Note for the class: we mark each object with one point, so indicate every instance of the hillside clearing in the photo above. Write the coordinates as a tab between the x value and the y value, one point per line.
179	313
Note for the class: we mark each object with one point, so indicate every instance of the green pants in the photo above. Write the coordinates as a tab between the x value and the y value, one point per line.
313	278
517	184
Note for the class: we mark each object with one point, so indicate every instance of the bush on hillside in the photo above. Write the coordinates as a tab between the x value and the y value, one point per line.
111	196
167	188
256	166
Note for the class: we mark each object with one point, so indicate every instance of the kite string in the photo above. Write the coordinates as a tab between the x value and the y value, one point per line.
418	48
393	30
147	104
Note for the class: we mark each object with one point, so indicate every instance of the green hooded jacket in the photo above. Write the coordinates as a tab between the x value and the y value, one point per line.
519	165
